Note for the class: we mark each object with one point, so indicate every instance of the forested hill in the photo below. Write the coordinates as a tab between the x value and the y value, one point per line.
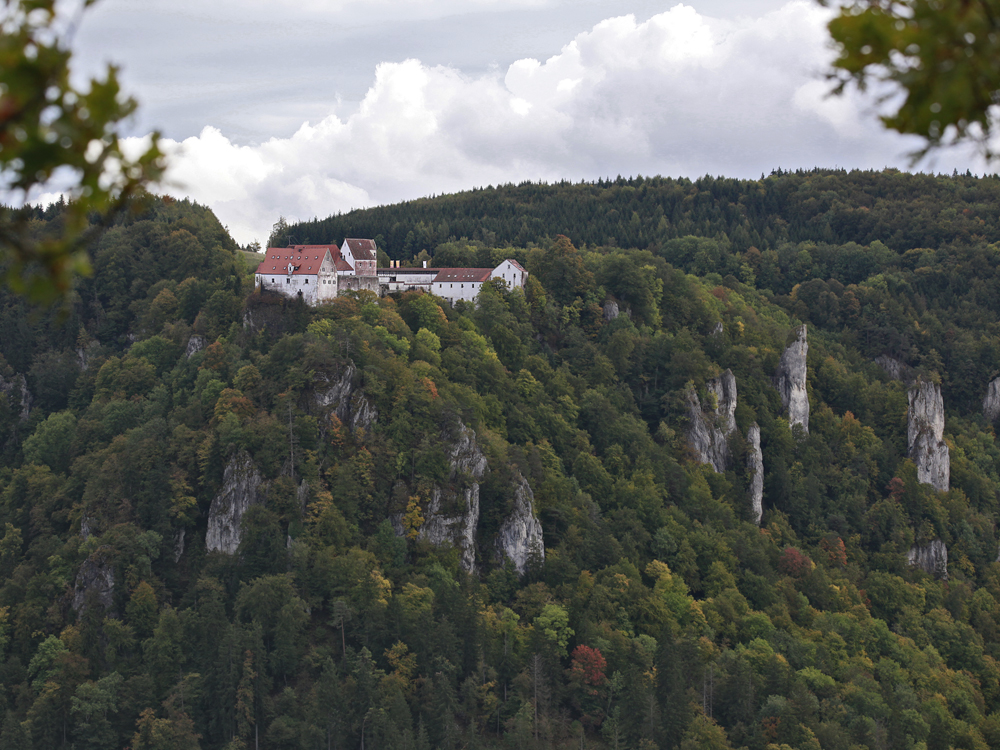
902	210
228	520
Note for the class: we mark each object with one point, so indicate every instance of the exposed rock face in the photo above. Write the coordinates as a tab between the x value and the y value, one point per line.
931	558
755	468
991	404
790	380
610	310
717	331
195	344
179	545
452	514
444	526
241	488
95	579
707	433
350	404
925	433
520	535
16	390
724	390
894	368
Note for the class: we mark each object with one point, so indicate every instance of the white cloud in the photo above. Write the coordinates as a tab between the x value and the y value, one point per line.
680	93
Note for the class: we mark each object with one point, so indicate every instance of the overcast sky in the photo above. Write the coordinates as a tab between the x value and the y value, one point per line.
304	108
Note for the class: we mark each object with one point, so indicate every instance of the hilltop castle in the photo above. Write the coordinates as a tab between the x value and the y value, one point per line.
320	272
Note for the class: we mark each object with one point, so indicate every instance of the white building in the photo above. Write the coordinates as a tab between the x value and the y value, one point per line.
512	272
309	270
361	256
454	284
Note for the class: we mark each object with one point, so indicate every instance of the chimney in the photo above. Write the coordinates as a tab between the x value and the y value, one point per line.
425	264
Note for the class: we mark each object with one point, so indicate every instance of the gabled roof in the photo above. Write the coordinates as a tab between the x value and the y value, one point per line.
514	263
361	249
343	265
307	259
462	274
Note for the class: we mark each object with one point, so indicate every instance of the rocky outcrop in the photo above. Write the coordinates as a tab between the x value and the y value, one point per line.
925	435
520	535
755	470
991	404
717	331
16	391
342	397
931	558
894	368
724	390
95	583
707	434
790	380
195	344
452	513
610	310
179	545
241	488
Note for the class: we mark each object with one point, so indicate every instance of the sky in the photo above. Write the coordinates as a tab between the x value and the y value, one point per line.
306	108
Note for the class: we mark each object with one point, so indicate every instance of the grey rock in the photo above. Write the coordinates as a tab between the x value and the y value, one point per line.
991	403
452	514
925	435
610	310
195	344
179	545
707	434
241	488
724	390
340	396
16	390
894	368
95	577
790	380
931	558
717	331
755	469
520	535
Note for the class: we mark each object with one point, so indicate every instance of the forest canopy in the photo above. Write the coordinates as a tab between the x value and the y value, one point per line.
656	613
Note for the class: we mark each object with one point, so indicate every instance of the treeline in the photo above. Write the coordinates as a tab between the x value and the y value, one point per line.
902	210
661	615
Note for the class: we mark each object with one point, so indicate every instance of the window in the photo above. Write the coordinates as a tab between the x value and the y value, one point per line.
307	281
272	281
288	280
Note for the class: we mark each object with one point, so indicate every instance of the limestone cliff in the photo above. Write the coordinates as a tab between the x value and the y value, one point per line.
790	380
520	535
925	435
241	488
95	583
991	404
341	396
894	368
755	470
931	558
16	390
610	310
194	345
452	513
708	433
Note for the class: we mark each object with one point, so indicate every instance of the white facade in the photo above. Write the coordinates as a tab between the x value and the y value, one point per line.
306	270
454	284
511	272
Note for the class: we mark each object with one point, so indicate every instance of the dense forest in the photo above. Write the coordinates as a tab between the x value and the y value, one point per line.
655	613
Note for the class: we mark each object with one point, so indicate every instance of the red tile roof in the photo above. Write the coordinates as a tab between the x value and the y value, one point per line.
361	249
463	274
516	265
306	259
342	265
